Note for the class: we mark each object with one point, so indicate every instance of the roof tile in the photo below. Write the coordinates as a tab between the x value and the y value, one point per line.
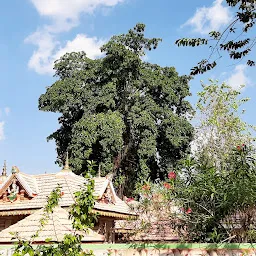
43	184
58	225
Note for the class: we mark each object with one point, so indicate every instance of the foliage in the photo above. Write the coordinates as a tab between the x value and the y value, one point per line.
218	181
82	218
229	40
154	207
222	203
81	210
129	116
220	127
211	195
203	204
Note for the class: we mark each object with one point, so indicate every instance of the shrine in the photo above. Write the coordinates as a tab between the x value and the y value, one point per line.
22	196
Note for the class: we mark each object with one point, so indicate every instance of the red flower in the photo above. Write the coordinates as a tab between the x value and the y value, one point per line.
172	175
238	148
167	185
146	187
129	199
188	211
62	193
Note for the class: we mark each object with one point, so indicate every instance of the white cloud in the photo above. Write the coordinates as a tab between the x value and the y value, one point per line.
49	50
238	77
91	45
41	57
145	58
211	18
64	15
202	137
7	110
2	137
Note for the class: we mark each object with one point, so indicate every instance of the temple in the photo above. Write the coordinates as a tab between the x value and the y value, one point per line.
22	197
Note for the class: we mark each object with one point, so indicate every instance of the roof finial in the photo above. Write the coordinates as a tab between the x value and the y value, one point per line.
4	173
14	170
99	174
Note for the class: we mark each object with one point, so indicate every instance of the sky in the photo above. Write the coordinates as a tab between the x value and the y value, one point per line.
34	33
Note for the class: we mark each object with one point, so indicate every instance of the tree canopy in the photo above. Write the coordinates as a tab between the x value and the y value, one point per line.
231	39
129	116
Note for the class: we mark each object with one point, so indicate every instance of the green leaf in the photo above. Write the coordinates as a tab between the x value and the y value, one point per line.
47	240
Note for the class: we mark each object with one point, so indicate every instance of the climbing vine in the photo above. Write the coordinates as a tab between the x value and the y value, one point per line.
82	219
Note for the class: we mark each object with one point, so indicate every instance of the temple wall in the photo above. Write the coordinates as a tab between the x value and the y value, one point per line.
105	227
148	249
6	221
166	252
169	253
162	249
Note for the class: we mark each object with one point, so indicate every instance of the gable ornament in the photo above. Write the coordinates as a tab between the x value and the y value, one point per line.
13	191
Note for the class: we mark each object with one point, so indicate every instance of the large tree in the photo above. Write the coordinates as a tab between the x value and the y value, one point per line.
237	39
129	116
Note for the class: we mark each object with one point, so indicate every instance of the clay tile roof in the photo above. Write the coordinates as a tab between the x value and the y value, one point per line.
43	184
119	207
100	185
57	226
30	181
27	182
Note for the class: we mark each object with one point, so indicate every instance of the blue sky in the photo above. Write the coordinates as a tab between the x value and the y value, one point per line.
36	32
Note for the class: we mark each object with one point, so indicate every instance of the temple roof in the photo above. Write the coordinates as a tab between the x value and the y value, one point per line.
38	187
57	226
28	183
